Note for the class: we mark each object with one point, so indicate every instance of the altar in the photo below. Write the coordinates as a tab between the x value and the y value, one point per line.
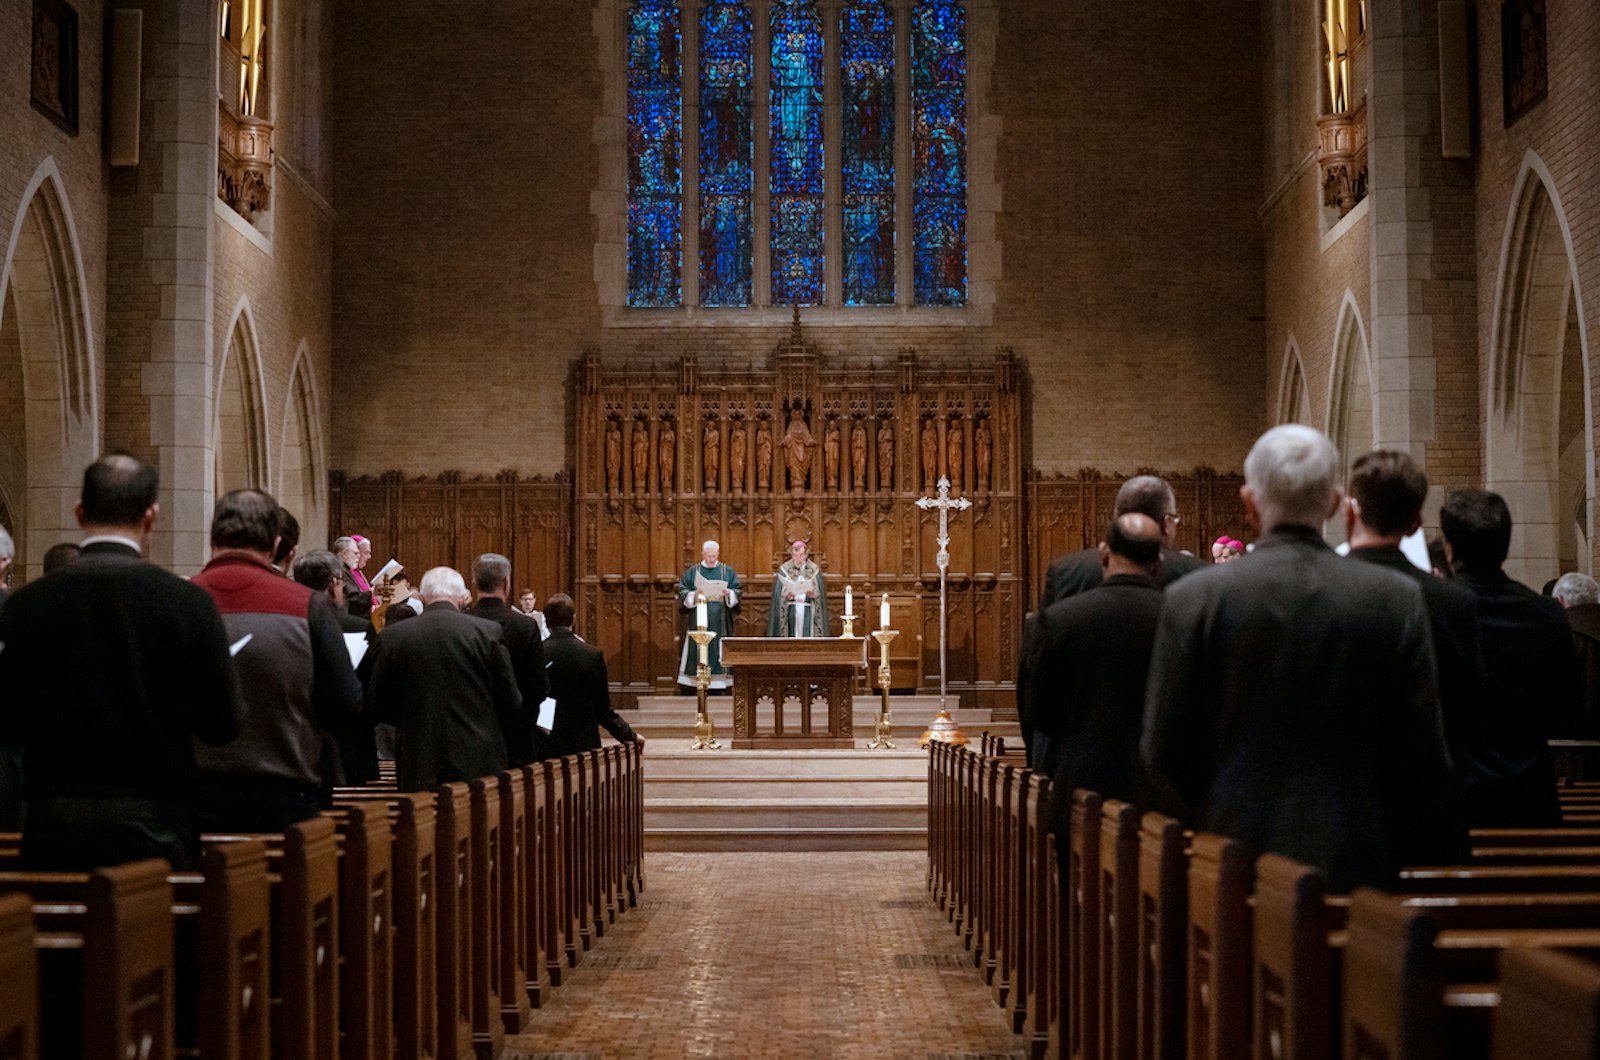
794	678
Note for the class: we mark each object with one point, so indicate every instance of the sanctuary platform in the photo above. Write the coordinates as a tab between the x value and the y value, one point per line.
835	799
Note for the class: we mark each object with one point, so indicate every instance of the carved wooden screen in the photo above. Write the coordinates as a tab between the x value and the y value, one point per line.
1068	514
450	521
756	456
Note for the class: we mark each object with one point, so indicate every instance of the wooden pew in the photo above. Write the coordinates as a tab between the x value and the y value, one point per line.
1162	921
366	931
484	914
535	915
1217	1005
1549	1007
1043	915
104	945
19	970
561	947
413	853
1081	984
303	870
1118	968
453	921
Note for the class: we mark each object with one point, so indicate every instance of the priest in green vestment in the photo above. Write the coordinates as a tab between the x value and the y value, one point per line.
799	597
718	585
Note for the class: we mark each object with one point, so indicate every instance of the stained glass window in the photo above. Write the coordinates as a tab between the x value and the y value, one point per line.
939	152
796	169
867	85
727	153
655	148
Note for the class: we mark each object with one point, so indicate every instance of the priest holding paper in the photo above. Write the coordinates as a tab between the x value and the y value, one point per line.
710	592
799	597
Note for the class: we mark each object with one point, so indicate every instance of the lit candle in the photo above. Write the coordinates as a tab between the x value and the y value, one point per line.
883	613
700	610
847	601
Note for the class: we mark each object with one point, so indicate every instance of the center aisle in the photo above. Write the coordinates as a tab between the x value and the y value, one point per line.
827	955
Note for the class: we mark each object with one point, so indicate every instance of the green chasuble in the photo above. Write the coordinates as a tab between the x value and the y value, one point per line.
799	602
720	584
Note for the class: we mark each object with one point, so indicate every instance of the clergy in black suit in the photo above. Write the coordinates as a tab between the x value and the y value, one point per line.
1292	699
1580	595
1530	677
445	680
112	668
357	601
1148	495
525	643
1087	669
1387	491
579	686
356	743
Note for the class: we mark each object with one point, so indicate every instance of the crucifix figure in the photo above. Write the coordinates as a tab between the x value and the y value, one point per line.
945	505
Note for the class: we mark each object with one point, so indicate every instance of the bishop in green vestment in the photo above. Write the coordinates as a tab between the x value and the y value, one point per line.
719	584
799	597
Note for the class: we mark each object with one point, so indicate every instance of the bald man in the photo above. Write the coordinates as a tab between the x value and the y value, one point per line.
1084	667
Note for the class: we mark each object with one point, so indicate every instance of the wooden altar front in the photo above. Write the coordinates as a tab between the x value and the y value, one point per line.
796	675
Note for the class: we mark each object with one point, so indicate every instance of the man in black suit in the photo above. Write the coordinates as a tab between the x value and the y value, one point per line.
1087	665
1386	494
524	641
1292	701
112	668
318	570
1080	571
579	686
1530	678
445	680
1580	595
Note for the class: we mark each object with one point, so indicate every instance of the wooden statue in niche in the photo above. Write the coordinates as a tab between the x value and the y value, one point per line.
712	443
886	456
983	453
954	436
736	444
830	454
613	457
641	457
930	454
764	455
798	441
858	456
667	456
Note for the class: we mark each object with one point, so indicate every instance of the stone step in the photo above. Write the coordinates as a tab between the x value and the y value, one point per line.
794	789
764	813
722	840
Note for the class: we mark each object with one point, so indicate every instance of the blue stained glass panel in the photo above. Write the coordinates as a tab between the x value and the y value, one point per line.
797	154
939	152
867	43
727	153
655	148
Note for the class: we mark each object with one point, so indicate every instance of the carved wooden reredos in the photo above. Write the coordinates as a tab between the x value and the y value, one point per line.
798	447
755	455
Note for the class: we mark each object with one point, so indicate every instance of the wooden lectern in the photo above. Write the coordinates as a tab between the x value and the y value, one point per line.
793	674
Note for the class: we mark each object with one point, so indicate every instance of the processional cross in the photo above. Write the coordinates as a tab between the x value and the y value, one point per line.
945	505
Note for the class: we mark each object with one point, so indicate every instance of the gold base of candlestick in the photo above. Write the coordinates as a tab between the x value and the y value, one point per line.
943	730
849	626
704	733
884	729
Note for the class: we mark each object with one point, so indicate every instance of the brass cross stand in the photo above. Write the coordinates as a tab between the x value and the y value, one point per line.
944	728
704	736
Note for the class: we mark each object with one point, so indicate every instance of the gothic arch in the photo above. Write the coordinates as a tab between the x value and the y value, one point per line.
302	466
1539	437
47	361
239	433
1351	422
1294	397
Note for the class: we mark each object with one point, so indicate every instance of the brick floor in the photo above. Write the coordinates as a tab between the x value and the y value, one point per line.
828	955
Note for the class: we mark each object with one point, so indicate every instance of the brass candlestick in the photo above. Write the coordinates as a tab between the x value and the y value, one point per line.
849	625
884	729
704	735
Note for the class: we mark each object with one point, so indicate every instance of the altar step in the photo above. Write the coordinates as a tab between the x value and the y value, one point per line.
784	800
672	718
